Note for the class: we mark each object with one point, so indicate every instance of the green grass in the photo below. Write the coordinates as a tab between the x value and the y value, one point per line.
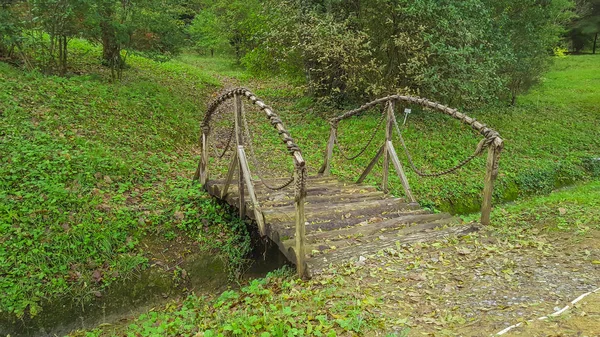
90	167
277	305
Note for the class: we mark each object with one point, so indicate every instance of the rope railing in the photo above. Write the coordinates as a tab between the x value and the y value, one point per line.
491	140
243	139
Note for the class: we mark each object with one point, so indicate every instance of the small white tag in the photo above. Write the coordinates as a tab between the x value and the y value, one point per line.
406	113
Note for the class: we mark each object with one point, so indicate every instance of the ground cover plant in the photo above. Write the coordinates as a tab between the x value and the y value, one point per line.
90	168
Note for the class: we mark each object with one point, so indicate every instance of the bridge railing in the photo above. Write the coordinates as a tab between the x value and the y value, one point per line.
239	162
491	140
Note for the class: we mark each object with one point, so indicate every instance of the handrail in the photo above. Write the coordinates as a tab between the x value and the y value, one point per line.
491	140
240	163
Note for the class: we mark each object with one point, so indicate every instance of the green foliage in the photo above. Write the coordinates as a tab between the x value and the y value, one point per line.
206	33
41	30
277	305
586	27
88	169
461	53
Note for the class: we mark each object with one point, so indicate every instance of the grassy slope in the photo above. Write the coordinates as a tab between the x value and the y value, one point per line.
550	136
89	168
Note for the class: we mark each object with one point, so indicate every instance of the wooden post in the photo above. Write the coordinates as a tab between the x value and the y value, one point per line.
300	198
325	169
490	175
388	137
238	107
248	179
202	170
399	170
371	165
232	167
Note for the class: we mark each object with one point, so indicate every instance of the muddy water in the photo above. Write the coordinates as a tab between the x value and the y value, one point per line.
139	293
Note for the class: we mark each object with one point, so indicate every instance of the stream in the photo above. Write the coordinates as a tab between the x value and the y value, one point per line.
137	294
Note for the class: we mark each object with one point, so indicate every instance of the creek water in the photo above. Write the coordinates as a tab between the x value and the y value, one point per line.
132	296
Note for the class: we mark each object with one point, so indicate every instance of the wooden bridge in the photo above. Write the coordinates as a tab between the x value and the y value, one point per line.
318	220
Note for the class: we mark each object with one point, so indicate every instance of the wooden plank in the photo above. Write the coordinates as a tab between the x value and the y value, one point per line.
238	106
399	171
325	169
230	172
317	189
388	137
329	222
371	165
342	197
300	223
370	228
324	247
318	263
258	217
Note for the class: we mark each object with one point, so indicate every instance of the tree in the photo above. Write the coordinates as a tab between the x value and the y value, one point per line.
206	33
463	53
587	26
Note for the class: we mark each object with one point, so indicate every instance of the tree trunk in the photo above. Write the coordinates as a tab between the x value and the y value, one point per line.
595	40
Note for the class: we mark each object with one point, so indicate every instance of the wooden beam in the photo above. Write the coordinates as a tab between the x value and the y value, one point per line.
325	169
300	198
490	175
238	107
202	170
371	165
258	215
232	167
388	137
399	170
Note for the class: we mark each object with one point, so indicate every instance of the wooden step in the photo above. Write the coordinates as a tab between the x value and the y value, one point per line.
352	253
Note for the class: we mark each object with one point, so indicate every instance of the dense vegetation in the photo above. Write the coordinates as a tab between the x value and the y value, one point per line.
464	53
99	112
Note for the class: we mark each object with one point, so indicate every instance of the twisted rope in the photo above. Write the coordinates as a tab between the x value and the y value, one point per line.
227	146
480	147
373	134
479	127
275	121
256	162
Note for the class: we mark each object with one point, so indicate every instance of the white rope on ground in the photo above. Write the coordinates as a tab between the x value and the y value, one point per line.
551	315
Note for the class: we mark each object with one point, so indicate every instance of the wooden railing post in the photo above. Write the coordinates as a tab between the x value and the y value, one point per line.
251	193
325	169
238	107
299	200
202	170
490	176
388	138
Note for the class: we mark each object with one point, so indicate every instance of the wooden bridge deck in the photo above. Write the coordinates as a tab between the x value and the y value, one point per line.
343	220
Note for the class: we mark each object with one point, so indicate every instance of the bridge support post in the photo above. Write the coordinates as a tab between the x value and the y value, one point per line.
238	107
300	198
490	176
324	170
388	138
399	170
202	170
